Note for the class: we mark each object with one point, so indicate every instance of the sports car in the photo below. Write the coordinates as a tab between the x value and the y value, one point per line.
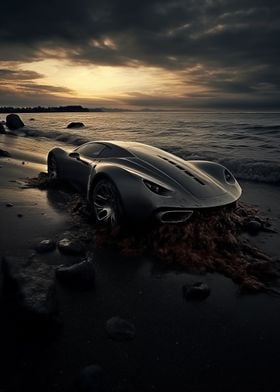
128	181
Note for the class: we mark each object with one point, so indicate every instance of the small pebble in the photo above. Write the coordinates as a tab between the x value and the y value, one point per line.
71	246
80	275
253	227
197	291
45	246
120	329
19	215
92	379
9	205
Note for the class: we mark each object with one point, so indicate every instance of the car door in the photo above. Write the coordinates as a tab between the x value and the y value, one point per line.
82	159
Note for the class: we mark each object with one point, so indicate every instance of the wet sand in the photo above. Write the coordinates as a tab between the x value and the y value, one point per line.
227	342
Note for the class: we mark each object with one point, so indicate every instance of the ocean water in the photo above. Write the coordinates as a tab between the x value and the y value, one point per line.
247	143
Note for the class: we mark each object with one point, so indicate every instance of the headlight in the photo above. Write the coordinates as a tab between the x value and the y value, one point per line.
229	177
158	189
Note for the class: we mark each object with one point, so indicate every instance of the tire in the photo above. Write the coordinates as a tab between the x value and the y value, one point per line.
53	170
106	204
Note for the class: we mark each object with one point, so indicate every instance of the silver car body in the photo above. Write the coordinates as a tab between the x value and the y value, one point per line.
150	181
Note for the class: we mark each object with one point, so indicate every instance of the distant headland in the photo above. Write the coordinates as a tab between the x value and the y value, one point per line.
56	109
50	109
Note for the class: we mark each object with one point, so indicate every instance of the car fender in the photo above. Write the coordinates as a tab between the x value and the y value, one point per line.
121	177
217	172
130	187
57	152
214	169
61	156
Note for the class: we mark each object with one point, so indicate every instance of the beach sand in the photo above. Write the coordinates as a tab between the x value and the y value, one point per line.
227	342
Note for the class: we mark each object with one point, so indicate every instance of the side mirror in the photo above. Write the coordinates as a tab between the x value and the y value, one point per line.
74	155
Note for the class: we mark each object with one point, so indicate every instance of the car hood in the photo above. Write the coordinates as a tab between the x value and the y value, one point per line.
182	176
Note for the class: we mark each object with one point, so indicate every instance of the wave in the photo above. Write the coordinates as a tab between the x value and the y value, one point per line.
269	128
268	172
65	137
243	169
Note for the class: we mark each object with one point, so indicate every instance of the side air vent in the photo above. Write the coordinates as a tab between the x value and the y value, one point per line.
174	216
183	169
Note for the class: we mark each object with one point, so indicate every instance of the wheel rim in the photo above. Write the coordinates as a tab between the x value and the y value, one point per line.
105	203
52	168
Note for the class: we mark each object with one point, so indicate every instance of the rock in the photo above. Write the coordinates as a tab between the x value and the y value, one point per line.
75	125
2	129
9	205
32	119
80	275
92	379
1	279
198	290
120	329
13	122
19	215
31	284
4	154
45	246
253	227
71	246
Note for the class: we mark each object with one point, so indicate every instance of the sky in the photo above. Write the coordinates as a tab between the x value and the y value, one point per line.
168	54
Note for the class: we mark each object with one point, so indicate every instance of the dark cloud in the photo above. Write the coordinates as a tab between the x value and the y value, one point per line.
234	41
43	88
147	31
7	74
205	101
18	88
21	98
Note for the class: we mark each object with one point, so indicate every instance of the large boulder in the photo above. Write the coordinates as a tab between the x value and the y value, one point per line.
4	154
1	279
13	122
75	125
30	285
2	129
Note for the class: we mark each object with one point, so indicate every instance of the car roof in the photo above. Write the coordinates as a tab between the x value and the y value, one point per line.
131	147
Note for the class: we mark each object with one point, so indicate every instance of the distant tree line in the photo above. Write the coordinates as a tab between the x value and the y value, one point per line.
41	109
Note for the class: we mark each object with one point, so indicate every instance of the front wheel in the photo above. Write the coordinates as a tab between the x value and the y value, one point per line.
107	204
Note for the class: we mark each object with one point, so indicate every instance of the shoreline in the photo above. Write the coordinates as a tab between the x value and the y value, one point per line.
178	344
